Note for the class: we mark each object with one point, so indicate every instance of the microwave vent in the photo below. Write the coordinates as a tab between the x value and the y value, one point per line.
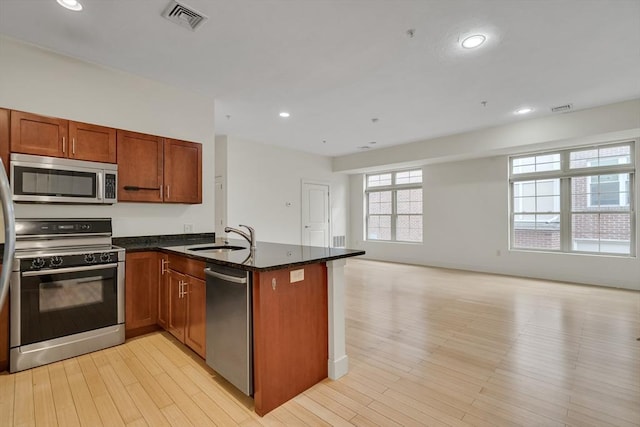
184	16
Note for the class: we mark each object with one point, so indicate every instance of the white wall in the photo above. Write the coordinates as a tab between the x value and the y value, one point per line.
262	179
609	122
42	82
466	222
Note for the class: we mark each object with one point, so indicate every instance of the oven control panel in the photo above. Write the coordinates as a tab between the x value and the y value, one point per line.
64	261
49	227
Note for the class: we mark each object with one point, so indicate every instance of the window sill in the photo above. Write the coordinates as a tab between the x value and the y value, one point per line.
574	253
399	242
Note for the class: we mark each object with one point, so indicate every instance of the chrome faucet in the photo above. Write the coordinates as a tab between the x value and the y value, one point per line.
250	237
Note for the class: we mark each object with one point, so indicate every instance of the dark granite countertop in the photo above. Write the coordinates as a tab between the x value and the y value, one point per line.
152	243
267	256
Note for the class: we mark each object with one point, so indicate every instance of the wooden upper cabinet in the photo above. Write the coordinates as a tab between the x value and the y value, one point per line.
150	168
53	137
92	142
4	138
140	166
182	171
33	134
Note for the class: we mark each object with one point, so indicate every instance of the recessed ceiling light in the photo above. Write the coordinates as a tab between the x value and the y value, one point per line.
524	110
284	114
473	41
70	4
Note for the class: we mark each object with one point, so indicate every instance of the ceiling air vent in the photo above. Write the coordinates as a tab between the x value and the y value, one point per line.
184	16
562	108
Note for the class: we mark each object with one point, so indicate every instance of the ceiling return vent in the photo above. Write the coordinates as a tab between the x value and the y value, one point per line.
562	108
184	16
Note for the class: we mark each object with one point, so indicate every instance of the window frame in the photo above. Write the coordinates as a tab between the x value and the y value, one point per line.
393	188
565	174
622	201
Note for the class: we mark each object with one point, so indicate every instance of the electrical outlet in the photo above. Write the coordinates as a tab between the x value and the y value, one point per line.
296	275
188	228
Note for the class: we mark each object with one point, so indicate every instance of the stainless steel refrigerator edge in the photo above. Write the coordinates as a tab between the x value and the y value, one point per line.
229	325
9	234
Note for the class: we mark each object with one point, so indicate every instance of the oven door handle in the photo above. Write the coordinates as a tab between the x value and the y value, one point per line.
68	270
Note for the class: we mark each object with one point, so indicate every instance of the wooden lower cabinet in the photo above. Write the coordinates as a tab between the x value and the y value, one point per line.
167	291
177	305
163	292
195	325
141	292
184	301
290	334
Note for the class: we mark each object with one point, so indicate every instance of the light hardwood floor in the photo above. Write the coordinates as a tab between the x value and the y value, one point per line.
427	347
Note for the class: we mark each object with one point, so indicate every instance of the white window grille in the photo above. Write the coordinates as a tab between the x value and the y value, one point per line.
394	206
574	200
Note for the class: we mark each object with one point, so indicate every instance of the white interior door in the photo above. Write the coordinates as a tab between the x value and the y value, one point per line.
315	214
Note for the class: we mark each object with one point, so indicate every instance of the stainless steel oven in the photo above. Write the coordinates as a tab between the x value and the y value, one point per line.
67	291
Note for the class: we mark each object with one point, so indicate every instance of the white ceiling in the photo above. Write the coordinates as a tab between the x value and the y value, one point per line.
337	64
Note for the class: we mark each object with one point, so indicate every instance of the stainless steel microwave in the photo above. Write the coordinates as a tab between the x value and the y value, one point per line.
54	180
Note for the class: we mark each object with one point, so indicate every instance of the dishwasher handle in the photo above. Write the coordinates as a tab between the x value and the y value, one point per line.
225	277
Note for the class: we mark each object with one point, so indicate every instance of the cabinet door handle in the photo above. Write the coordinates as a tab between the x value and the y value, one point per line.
161	192
183	289
73	146
163	266
168	193
64	145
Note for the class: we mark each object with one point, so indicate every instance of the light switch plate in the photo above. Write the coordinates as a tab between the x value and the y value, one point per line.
296	275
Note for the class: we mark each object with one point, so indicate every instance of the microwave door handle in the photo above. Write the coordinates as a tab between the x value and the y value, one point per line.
100	184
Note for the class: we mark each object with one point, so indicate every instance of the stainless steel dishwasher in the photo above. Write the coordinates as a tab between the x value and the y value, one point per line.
229	325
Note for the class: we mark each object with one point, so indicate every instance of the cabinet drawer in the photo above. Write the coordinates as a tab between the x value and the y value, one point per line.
186	265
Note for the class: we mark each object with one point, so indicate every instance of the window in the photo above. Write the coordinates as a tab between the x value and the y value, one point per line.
577	200
394	206
536	206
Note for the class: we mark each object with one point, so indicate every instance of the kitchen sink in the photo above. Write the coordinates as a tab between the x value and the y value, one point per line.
217	249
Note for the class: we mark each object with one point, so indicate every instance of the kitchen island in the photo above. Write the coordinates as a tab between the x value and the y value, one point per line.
297	310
